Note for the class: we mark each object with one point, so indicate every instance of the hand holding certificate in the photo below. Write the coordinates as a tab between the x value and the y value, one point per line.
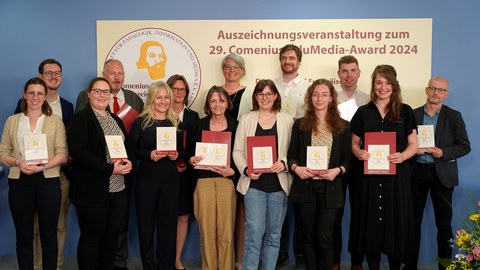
167	140
261	153
426	137
36	151
317	159
116	147
380	145
213	151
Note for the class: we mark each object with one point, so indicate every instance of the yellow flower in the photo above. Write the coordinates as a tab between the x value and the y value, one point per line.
474	217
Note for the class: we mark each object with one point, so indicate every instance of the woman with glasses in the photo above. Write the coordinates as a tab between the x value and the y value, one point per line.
214	191
233	68
187	118
34	184
265	194
318	196
383	222
97	185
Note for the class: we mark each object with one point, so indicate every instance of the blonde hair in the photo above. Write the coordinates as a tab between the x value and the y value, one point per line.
148	111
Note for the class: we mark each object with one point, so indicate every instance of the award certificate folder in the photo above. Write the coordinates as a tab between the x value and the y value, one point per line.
426	137
36	151
380	145
213	154
216	137
317	160
116	147
289	107
261	153
167	140
128	115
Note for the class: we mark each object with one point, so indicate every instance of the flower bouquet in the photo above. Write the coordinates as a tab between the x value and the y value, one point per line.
467	240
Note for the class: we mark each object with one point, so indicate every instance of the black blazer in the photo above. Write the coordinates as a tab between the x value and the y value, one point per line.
341	155
451	136
90	171
67	110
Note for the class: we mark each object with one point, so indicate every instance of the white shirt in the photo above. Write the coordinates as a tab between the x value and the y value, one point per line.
360	97
56	107
24	129
293	92
120	98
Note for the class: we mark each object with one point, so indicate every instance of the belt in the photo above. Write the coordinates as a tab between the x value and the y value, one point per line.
426	165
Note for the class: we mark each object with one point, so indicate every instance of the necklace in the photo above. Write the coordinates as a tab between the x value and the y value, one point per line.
267	118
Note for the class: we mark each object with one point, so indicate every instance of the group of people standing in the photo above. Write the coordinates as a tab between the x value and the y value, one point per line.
240	213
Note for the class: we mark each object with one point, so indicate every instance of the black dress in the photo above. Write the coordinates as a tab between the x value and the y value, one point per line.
185	203
383	221
156	198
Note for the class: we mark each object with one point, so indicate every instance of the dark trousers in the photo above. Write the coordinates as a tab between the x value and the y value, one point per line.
297	237
26	194
317	223
121	253
99	230
157	214
373	260
424	180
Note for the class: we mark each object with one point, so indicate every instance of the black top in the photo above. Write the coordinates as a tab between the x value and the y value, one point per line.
267	182
235	98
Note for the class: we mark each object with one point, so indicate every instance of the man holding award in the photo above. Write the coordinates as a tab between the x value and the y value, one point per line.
442	138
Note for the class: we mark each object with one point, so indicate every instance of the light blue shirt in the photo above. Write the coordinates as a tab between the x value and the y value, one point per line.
428	120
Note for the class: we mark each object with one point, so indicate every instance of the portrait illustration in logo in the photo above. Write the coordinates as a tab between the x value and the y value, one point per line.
153	58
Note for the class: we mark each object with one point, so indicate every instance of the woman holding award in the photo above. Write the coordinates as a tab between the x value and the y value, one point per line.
317	186
384	219
214	194
34	146
100	172
187	118
157	183
265	194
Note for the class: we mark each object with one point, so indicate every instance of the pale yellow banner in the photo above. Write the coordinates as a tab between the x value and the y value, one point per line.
196	48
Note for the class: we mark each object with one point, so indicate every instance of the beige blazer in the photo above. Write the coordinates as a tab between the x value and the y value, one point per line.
56	142
246	127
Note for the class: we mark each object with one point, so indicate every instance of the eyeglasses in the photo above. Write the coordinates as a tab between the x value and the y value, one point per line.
177	89
265	95
234	67
322	96
98	92
53	73
33	94
433	89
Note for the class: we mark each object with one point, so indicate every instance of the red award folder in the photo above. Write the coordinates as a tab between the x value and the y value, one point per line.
261	141
378	156
128	115
224	137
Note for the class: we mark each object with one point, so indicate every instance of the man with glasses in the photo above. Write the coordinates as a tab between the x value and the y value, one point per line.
435	169
50	71
114	73
292	88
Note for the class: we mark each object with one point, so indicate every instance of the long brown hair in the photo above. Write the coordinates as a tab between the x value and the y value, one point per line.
395	105
310	121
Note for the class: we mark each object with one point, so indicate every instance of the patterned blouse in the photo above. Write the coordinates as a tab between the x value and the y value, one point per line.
110	127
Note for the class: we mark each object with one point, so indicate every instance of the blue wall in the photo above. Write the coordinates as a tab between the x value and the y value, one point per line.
31	31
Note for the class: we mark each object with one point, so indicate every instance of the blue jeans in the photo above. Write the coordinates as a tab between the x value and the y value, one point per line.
265	213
